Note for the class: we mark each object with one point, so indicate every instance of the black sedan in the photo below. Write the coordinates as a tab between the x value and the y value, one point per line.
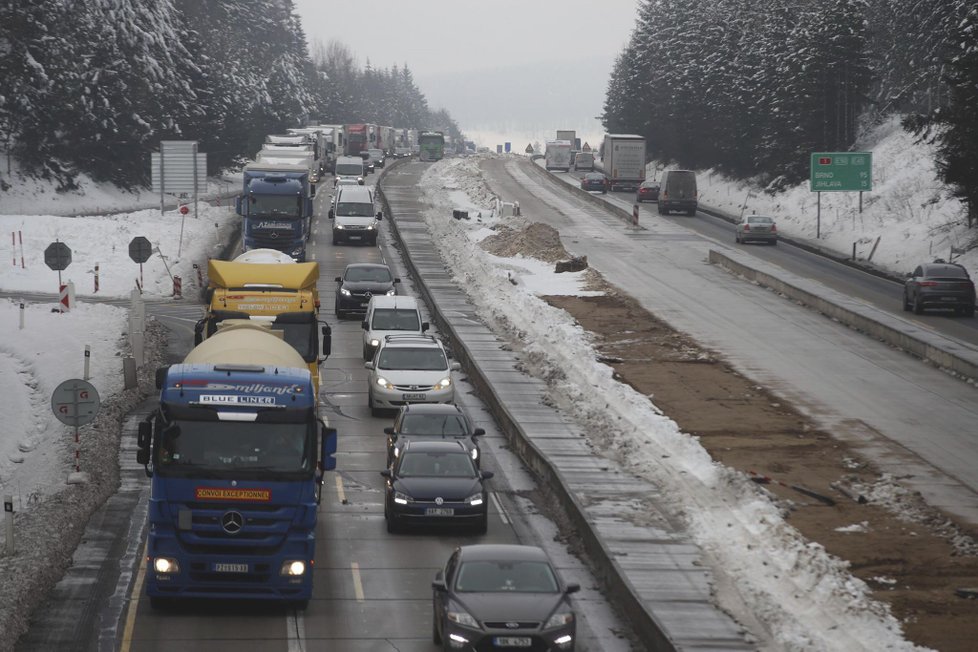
359	282
502	596
432	422
939	285
436	483
648	191
594	181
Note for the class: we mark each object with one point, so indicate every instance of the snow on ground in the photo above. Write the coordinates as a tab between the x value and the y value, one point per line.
807	599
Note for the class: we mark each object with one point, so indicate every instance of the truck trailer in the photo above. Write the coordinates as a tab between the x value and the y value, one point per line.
558	155
236	452
623	161
276	205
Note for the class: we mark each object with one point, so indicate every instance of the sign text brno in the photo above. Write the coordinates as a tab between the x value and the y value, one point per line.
841	171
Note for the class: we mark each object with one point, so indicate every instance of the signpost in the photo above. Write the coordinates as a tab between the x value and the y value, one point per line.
58	256
75	403
840	172
140	249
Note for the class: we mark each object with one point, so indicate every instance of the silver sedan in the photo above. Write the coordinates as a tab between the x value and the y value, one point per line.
758	228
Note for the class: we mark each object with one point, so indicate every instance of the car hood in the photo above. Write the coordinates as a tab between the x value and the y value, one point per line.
363	286
429	488
510	607
413	376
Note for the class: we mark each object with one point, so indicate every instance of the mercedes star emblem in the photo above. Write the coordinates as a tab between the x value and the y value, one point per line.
232	522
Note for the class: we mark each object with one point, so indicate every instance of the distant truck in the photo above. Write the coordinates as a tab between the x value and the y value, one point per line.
558	155
268	287
584	161
570	135
623	161
431	145
237	453
276	206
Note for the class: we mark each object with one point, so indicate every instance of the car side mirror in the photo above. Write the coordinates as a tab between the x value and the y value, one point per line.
386	473
478	432
439	585
487	475
338	279
364	325
380	215
425	326
573	587
388	430
331	214
397	280
368	365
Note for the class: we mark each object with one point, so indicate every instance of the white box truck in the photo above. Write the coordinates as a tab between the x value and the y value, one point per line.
558	155
623	161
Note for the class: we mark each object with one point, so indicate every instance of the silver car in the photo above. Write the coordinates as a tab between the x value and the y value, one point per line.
758	228
409	369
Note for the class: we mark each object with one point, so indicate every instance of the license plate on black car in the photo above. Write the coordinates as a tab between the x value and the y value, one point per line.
354	237
439	511
512	641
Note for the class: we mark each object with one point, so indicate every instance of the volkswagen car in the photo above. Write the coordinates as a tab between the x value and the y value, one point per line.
432	422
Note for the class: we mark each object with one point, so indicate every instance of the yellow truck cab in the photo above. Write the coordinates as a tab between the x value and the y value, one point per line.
261	285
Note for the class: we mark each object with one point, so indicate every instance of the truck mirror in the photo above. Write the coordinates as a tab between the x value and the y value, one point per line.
144	435
380	215
328	447
198	333
208	295
327	341
142	456
161	376
425	326
397	280
239	207
331	214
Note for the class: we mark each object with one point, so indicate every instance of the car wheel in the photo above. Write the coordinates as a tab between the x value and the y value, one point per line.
906	302
366	354
691	212
300	605
969	311
661	210
376	412
918	305
435	634
336	241
393	527
737	238
374	242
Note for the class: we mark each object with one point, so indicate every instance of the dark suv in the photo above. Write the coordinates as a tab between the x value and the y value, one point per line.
359	282
939	285
432	421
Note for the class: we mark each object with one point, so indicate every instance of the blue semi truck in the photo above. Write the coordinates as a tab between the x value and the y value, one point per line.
236	452
276	205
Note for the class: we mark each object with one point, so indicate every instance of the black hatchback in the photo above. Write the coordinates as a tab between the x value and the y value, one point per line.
432	422
359	282
939	285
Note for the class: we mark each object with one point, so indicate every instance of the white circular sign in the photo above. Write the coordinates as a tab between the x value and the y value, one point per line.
75	402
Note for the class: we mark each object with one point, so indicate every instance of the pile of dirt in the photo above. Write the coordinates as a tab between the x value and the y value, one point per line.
534	240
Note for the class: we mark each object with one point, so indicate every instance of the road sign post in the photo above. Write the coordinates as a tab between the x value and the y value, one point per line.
57	256
75	403
8	512
140	249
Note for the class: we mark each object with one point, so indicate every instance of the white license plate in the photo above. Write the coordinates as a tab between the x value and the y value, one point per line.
439	511
414	397
354	237
230	568
512	641
949	298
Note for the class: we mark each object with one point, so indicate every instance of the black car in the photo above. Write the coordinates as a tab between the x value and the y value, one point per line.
502	596
359	282
436	483
648	191
432	422
939	285
594	181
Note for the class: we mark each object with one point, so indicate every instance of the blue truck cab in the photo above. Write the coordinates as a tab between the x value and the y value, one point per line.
276	204
236	453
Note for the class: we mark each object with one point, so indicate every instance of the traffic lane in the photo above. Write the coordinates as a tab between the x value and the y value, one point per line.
859	389
877	291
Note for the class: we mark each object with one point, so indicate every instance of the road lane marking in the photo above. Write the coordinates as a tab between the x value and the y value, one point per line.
133	606
357	584
499	506
339	488
297	632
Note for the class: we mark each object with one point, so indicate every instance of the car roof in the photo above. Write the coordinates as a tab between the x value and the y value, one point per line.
937	268
397	301
411	339
357	194
431	408
502	551
435	446
349	159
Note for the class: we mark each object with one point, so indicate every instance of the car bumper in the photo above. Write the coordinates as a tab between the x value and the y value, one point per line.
758	237
479	640
678	204
414	514
392	399
946	299
355	236
352	304
648	196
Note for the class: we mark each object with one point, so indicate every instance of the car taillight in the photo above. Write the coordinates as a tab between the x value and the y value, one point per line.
928	284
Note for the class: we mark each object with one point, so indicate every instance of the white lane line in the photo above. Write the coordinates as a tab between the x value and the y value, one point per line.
339	488
357	583
296	631
499	507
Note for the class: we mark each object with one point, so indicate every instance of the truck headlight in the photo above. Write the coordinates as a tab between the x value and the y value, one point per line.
293	567
370	227
166	565
444	383
386	384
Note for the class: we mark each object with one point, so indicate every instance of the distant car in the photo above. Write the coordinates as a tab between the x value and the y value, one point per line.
502	596
377	157
758	228
409	369
361	281
594	181
432	422
648	191
368	164
387	316
584	161
436	483
939	285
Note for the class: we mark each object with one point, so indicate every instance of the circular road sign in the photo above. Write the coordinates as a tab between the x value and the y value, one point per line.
184	210
75	402
57	256
140	249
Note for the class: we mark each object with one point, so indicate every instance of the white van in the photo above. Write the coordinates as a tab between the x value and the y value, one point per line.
584	161
349	167
390	315
354	217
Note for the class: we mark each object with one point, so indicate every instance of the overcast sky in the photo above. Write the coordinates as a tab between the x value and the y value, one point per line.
441	36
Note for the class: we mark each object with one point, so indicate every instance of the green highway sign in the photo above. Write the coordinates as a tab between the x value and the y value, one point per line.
841	171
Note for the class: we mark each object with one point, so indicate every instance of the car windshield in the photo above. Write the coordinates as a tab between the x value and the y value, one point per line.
760	220
427	359
593	177
361	274
349	169
433	424
506	577
351	209
444	465
390	319
193	447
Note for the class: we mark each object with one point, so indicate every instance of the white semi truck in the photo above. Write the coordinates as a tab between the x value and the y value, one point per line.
623	161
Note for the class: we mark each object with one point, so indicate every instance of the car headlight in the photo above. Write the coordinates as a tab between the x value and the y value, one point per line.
462	618
475	453
374	343
344	292
296	252
391	292
293	567
370	227
338	227
475	499
166	565
383	382
397	451
559	620
401	499
444	383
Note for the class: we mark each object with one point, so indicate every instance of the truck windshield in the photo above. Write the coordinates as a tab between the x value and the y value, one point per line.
349	209
302	338
244	449
349	169
386	319
277	205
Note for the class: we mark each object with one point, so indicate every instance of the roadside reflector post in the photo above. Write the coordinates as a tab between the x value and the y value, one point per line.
635	215
129	372
21	315
8	513
177	287
88	358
